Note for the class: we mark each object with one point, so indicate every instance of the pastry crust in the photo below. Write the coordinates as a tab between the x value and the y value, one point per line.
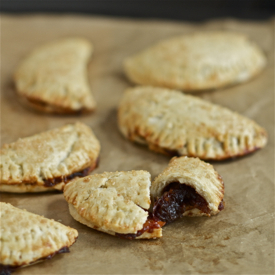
26	238
177	124
198	61
112	202
53	78
46	161
194	173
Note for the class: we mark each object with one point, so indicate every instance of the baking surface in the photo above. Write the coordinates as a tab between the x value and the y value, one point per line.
239	240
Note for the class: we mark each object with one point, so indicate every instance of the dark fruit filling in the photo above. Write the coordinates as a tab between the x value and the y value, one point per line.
221	206
7	269
65	110
64	249
148	226
52	182
176	199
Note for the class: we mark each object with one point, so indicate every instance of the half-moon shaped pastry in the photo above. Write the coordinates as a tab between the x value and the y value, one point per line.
177	124
48	160
27	238
116	203
53	78
199	61
187	187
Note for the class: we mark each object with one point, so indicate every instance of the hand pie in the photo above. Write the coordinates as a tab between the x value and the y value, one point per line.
187	187
26	238
48	160
116	203
199	61
53	78
176	124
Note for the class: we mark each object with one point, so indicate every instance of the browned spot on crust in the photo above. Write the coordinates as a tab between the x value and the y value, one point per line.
54	181
206	237
174	153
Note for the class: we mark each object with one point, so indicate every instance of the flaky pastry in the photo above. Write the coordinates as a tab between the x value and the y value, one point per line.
115	203
53	78
26	238
187	187
198	61
173	123
48	160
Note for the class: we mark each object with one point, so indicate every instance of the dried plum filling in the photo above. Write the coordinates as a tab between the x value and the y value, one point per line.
54	181
8	269
149	226
62	109
64	249
176	199
221	206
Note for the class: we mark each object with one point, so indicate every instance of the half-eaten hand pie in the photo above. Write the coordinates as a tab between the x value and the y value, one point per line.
27	238
48	160
187	187
116	203
176	124
53	78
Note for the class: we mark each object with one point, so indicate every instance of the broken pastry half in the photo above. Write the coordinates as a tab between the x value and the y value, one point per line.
27	238
176	124
48	160
53	78
187	187
116	203
197	61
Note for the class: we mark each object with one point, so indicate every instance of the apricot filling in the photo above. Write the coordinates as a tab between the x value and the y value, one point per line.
176	199
149	226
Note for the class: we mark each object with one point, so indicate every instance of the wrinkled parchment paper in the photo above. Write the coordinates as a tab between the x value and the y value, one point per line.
240	240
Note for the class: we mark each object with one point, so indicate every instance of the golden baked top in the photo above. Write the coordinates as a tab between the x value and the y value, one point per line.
171	122
56	153
195	173
197	61
26	237
112	202
53	78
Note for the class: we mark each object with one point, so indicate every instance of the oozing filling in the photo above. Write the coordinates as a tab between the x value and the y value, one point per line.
221	206
149	226
176	199
62	109
7	269
52	182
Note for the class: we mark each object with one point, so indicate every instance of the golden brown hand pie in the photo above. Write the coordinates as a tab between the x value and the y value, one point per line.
53	78
26	238
48	160
115	203
187	187
198	61
177	124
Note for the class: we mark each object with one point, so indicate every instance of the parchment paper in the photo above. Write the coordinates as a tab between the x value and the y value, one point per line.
240	240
